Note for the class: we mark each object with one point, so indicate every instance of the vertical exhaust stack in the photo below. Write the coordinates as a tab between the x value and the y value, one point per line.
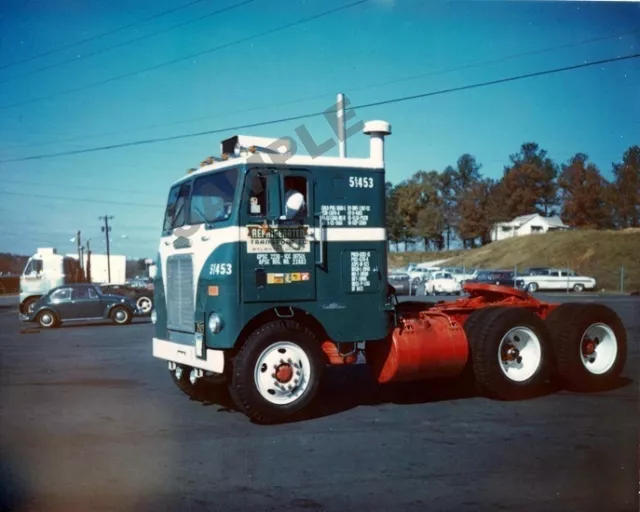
342	142
377	130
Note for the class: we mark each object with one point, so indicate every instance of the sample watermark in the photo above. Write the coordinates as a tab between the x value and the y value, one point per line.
214	196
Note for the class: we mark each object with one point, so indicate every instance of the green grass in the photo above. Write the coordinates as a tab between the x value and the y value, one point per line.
600	254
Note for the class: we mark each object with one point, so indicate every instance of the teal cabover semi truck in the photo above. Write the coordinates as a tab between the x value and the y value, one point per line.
272	266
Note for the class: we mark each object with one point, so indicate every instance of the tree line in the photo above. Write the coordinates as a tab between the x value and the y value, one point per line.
459	203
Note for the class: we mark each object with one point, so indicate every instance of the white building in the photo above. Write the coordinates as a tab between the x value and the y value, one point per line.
526	225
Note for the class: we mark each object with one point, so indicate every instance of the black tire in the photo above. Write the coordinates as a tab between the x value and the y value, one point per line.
242	386
470	327
201	391
48	319
485	334
121	315
578	287
532	287
27	304
568	324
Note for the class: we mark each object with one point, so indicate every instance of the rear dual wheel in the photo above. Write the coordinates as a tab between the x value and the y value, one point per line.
589	344
510	350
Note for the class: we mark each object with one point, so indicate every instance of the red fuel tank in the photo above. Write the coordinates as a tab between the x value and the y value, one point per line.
429	345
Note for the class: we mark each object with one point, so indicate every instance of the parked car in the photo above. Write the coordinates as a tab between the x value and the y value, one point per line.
80	302
555	279
420	272
401	281
142	295
461	275
442	282
537	271
499	277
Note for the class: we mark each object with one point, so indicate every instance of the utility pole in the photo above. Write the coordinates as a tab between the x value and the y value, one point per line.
88	272
79	250
106	230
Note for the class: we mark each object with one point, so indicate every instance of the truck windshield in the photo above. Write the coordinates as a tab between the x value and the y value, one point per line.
205	199
33	267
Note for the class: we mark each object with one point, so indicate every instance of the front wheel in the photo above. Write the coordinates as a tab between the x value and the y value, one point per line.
196	389
48	319
277	372
28	305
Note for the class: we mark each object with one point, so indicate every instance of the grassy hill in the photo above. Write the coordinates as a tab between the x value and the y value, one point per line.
600	254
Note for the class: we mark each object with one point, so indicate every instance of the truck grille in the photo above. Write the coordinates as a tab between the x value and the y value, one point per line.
180	304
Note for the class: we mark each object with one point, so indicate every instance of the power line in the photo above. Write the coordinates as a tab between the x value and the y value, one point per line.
186	57
326	95
76	187
316	114
99	36
81	199
125	43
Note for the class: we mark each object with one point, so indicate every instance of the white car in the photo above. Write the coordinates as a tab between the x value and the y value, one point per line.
442	283
419	273
460	275
555	279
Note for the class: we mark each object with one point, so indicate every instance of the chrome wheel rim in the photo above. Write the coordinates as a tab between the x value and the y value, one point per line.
598	348
282	373
520	354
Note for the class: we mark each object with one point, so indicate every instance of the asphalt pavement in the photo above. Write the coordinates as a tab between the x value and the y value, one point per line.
89	421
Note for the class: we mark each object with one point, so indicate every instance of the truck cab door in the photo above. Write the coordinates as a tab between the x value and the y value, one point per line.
277	260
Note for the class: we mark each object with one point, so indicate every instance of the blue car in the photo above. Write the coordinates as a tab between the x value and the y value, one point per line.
80	302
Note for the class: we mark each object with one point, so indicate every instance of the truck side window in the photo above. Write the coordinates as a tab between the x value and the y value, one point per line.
257	195
295	188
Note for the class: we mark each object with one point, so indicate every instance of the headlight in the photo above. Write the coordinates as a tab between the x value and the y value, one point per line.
154	316
215	323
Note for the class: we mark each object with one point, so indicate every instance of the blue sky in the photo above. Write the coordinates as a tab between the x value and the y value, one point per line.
353	51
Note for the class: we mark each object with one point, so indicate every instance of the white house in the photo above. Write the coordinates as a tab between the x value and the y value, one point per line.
526	225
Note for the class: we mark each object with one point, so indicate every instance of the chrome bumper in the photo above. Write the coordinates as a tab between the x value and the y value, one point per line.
186	354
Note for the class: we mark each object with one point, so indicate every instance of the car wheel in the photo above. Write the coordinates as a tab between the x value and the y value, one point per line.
578	287
47	319
532	287
121	315
145	304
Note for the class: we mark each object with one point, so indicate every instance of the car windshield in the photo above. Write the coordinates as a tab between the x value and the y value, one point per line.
206	199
